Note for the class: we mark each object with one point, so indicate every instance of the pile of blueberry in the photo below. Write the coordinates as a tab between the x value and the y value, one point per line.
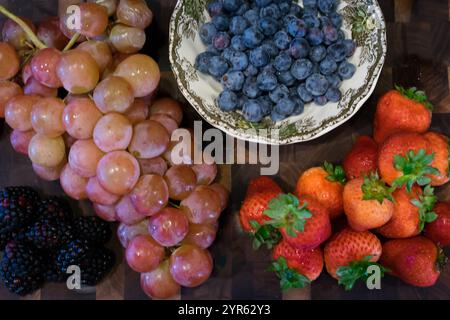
273	56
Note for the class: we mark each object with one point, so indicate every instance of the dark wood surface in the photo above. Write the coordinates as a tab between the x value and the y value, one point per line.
418	54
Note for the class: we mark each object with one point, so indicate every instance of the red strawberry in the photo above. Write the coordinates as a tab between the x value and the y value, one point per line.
440	147
296	268
416	261
304	223
260	184
439	229
362	159
349	253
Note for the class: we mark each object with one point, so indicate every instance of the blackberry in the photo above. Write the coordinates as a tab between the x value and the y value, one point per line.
21	268
18	235
17	208
72	253
52	272
92	229
55	207
49	233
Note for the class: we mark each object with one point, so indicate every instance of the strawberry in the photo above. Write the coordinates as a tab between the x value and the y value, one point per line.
296	268
362	159
405	159
348	255
411	211
440	146
439	229
367	203
417	261
261	184
401	110
325	184
303	223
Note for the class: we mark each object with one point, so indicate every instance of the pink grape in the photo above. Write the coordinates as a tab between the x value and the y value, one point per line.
8	90
223	194
150	195
20	140
134	13
202	206
169	107
150	140
168	227
69	140
159	283
206	173
113	132
126	233
84	157
181	181
138	111
104	212
9	61
114	94
141	72
43	67
73	184
49	174
46	117
80	117
18	112
33	86
69	32
27	73
50	33
94	19
98	50
96	193
143	254
118	172
153	166
13	34
110	5
201	235
182	148
126	213
166	121
190	266
127	39
45	151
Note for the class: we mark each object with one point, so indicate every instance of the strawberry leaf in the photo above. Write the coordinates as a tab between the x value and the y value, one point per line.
264	235
416	95
348	275
426	203
289	278
335	173
415	167
285	212
374	188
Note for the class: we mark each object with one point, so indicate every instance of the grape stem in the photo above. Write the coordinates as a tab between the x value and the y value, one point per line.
38	43
72	42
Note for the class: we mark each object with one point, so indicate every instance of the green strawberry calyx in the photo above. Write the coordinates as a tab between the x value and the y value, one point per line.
426	203
285	212
417	95
348	275
374	188
335	173
264	235
415	168
289	278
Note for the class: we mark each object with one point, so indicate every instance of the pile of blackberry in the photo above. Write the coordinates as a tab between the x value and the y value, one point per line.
41	238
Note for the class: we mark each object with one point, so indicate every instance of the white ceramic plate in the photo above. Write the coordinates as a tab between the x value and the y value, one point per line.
363	22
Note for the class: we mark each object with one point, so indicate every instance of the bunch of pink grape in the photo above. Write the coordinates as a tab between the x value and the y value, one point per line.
87	116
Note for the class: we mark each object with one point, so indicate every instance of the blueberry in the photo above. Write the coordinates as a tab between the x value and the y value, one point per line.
317	53
252	16
328	66
241	101
259	57
252	37
287	19
310	10
251	71
221	40
250	88
268	26
221	22
317	84
238	25
336	19
299	106
282	40
296	10
270	47
252	111
333	94
321	100
286	78
299	48
301	69
330	34
346	70
282	62
327	6
266	104
218	66
233	80
271	11
202	61
276	116
284	8
267	81
310	3
325	21
237	43
337	51
314	36
262	3
311	20
304	94
269	68
227	53
242	9
215	7
211	49
231	5
285	106
207	32
341	35
296	28
350	47
334	80
280	92
227	100
238	61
